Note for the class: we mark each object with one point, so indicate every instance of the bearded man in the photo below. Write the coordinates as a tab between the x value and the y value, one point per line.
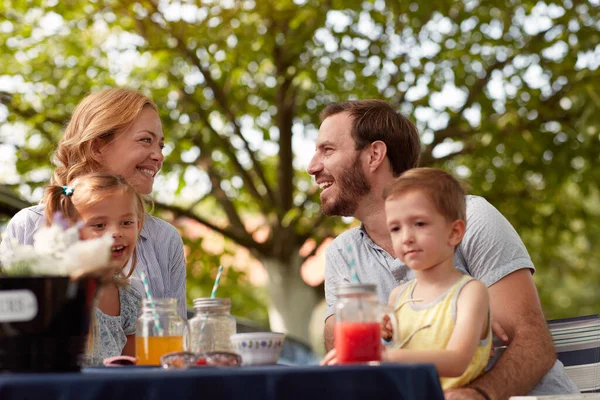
361	147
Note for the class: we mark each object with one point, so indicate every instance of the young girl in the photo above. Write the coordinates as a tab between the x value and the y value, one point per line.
443	315
106	204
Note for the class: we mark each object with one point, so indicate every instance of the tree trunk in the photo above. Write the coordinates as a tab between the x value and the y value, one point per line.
292	300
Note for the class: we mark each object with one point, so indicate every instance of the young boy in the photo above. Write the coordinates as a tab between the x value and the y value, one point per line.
443	315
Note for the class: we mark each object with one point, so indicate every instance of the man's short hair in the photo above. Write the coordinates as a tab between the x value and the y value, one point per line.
440	187
374	120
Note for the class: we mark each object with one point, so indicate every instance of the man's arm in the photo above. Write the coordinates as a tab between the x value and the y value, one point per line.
515	306
328	335
494	254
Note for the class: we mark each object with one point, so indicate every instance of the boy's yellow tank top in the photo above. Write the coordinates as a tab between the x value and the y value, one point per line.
441	314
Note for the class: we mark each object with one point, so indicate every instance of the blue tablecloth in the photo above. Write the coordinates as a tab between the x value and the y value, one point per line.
388	381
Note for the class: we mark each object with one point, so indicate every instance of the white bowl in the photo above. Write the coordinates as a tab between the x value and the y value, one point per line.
258	348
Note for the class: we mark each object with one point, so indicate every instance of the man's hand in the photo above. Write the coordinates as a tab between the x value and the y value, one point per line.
463	394
330	358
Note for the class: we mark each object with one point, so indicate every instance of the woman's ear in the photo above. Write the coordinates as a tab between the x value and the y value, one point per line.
457	232
377	154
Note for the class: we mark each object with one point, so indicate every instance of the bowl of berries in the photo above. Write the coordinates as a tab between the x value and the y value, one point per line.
186	359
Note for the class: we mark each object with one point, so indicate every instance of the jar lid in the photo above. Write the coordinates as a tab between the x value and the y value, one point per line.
208	304
355	289
160	303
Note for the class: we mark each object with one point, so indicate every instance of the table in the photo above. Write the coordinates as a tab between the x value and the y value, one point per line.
388	381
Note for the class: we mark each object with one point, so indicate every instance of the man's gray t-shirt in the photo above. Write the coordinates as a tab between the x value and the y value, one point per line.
490	250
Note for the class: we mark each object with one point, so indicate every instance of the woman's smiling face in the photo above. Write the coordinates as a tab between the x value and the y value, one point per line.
136	153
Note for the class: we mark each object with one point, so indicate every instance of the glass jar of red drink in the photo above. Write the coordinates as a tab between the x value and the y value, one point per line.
358	318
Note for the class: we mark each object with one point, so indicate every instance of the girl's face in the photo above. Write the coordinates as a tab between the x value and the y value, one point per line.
118	216
136	153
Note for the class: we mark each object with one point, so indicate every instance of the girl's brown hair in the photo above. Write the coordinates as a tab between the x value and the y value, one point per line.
97	120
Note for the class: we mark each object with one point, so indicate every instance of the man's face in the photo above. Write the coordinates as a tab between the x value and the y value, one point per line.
337	167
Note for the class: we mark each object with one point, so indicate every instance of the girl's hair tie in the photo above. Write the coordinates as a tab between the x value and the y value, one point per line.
68	190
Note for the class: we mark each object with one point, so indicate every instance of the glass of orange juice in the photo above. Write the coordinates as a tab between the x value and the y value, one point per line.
159	330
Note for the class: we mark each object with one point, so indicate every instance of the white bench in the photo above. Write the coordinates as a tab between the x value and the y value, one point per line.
577	342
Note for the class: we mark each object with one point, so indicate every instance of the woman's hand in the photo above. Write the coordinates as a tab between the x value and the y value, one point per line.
330	358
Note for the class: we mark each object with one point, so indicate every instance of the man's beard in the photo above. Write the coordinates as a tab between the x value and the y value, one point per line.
351	186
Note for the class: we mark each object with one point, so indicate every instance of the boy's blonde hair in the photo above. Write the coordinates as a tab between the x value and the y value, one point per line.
97	120
440	187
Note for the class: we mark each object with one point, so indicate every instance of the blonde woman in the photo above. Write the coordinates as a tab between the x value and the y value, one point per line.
117	131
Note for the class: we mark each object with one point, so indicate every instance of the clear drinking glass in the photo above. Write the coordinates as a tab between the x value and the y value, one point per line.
358	318
159	330
212	325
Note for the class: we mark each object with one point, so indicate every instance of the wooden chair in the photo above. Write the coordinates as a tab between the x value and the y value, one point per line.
577	342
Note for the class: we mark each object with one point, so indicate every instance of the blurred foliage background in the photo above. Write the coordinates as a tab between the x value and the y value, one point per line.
505	94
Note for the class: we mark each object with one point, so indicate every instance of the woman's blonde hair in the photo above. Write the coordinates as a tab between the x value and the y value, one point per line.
97	120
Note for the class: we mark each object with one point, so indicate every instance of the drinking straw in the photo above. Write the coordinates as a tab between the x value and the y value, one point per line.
352	265
354	277
213	294
144	279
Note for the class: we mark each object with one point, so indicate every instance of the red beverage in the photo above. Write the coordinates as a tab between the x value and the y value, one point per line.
357	342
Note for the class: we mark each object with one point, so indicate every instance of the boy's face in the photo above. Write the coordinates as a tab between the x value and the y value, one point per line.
116	215
422	238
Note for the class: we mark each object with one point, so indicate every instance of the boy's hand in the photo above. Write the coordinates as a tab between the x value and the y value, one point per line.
386	328
501	334
330	358
499	331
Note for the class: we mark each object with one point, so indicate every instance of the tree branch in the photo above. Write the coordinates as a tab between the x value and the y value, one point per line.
242	240
10	202
222	198
474	91
467	149
221	99
226	146
6	99
285	116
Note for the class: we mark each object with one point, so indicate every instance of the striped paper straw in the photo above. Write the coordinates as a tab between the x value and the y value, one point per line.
352	265
144	279
213	294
